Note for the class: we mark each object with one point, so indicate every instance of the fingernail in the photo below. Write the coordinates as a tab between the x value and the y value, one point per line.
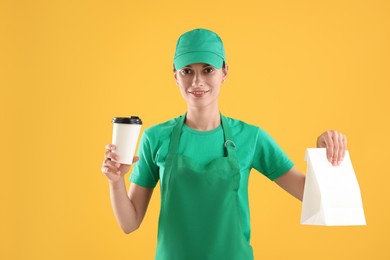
117	164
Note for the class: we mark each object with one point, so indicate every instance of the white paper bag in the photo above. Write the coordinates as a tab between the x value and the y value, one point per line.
332	194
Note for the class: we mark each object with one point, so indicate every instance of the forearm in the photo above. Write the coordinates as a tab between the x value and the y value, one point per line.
293	182
297	187
123	208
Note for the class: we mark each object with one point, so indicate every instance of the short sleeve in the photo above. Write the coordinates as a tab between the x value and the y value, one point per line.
269	158
145	171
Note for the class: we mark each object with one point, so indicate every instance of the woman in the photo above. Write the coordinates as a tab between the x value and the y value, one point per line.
202	160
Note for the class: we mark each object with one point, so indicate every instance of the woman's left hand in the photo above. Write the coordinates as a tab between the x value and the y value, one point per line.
335	144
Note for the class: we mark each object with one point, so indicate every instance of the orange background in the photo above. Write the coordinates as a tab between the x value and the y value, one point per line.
297	68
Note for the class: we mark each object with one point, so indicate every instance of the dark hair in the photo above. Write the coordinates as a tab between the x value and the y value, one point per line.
223	66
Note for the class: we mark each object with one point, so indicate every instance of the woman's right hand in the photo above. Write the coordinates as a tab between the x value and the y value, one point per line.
114	170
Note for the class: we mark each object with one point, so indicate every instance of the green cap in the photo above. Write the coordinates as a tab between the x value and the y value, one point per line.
199	46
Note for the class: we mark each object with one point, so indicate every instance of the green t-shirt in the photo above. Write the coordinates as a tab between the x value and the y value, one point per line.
254	148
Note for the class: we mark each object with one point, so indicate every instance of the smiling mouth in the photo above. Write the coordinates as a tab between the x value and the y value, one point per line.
198	93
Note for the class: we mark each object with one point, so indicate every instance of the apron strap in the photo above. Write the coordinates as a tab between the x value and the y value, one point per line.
229	144
174	144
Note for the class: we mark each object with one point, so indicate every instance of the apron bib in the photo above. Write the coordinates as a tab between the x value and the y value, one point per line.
200	214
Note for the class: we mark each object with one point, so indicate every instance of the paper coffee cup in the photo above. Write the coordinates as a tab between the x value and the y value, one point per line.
125	136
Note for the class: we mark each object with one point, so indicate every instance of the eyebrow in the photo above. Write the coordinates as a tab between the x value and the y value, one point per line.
206	65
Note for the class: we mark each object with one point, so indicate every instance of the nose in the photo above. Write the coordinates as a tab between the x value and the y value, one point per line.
198	80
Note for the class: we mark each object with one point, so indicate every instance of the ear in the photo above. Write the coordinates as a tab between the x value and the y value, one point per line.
174	75
225	73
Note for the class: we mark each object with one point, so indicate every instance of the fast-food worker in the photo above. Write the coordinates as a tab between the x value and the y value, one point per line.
203	160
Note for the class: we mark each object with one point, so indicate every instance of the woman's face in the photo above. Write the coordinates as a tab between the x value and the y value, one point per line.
200	83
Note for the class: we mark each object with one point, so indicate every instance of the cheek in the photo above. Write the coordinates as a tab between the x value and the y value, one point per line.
181	85
183	89
217	79
215	82
182	82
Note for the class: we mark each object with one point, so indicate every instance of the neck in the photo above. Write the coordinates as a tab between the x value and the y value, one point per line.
203	119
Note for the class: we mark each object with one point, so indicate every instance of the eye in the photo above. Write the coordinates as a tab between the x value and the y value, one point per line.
185	71
209	70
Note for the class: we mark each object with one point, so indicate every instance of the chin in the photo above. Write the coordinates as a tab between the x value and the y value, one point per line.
201	104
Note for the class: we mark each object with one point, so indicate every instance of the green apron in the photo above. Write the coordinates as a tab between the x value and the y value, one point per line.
200	214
